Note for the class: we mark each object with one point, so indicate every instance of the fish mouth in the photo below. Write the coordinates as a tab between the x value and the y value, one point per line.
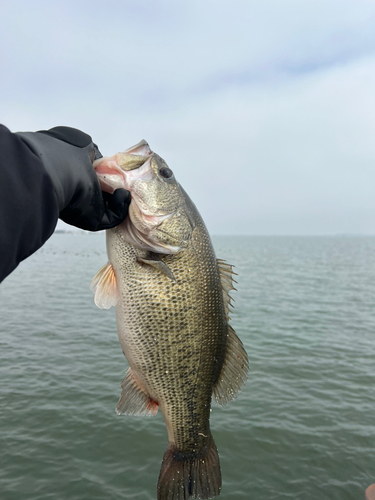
121	170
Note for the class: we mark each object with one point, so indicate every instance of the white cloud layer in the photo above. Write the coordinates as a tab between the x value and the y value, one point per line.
264	110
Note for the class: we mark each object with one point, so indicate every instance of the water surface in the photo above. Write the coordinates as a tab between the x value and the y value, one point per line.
303	427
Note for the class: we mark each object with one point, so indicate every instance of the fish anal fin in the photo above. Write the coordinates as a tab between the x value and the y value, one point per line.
154	261
134	400
234	370
104	287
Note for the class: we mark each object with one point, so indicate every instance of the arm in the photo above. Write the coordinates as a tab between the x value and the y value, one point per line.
43	176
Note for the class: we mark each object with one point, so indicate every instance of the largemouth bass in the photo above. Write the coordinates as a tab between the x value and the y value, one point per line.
172	312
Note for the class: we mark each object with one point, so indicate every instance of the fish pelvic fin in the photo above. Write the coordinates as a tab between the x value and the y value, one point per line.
134	400
104	287
235	367
190	475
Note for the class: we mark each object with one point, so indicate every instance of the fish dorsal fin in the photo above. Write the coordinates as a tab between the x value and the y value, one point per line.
104	286
226	273
233	373
235	365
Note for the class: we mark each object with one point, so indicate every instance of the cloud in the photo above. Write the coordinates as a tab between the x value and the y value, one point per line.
265	110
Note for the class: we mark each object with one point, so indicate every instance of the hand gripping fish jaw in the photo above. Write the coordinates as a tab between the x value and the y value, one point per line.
158	220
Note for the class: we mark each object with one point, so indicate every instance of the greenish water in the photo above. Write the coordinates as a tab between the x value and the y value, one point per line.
303	427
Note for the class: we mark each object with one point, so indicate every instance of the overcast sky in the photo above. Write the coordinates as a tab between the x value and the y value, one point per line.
265	109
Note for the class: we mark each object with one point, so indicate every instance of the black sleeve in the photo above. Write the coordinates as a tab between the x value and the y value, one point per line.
28	205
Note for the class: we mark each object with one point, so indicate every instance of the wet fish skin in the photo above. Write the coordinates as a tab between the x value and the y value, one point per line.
172	318
174	348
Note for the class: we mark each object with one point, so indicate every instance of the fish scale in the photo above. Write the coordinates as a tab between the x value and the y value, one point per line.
176	341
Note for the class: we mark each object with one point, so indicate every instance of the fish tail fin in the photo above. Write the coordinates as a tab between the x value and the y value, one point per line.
190	475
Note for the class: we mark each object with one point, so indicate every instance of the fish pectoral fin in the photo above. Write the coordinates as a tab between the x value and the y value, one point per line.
154	261
104	286
233	372
134	400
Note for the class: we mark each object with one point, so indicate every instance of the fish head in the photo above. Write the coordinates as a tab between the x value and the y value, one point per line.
158	217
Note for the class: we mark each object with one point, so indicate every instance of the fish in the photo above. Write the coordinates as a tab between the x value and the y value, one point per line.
172	301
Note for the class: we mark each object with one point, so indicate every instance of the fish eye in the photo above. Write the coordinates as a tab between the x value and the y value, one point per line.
166	172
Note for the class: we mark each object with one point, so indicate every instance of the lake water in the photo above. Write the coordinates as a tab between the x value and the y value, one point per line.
302	428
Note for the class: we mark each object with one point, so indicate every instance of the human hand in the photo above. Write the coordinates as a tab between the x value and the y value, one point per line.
67	155
370	492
